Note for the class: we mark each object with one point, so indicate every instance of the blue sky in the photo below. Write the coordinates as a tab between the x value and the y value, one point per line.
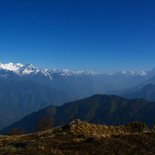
102	35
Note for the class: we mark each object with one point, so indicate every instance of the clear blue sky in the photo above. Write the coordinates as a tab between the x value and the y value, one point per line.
102	35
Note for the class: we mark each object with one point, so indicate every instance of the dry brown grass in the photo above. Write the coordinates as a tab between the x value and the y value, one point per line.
80	138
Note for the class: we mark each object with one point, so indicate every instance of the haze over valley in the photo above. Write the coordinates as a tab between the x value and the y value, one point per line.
26	89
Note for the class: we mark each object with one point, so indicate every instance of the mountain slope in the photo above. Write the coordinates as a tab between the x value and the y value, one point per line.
100	109
20	98
147	92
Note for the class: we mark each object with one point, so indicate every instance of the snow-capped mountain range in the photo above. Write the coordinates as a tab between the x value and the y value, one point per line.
28	69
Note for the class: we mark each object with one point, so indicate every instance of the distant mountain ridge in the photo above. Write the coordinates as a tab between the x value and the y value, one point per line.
98	109
22	69
100	82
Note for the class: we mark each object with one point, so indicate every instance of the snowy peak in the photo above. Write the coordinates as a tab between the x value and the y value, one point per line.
11	66
133	73
27	69
19	68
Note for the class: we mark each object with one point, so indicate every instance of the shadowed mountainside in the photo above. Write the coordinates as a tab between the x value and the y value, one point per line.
100	109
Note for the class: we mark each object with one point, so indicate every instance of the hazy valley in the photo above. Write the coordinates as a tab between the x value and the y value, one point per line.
26	89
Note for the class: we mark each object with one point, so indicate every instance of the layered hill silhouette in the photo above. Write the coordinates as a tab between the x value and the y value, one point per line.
98	109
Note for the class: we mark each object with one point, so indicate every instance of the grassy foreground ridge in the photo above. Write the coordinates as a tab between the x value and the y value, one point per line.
82	138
